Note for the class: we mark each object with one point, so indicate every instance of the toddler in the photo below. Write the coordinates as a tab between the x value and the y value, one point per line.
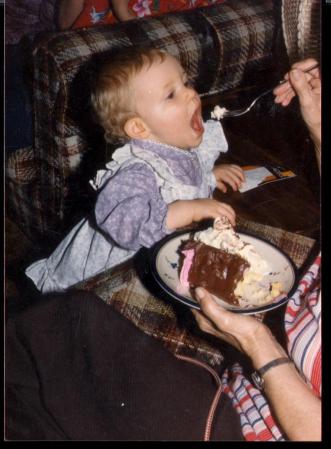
161	179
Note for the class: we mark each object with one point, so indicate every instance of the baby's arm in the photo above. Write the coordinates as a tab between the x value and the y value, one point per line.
122	11
131	211
228	174
185	212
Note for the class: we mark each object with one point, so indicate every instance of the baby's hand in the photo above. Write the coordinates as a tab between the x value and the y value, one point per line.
185	212
229	174
209	208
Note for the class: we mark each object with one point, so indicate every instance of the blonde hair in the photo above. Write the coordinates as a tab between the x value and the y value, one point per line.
112	98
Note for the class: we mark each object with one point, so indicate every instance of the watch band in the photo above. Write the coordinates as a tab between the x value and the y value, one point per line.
257	375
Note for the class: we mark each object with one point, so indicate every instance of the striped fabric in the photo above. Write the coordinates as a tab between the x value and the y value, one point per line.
303	329
219	45
256	420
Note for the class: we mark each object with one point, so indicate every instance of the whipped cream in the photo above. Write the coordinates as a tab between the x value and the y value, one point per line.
218	112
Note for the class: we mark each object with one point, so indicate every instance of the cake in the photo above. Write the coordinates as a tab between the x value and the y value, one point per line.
229	268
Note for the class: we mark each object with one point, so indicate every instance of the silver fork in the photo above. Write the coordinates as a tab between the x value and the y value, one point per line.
242	111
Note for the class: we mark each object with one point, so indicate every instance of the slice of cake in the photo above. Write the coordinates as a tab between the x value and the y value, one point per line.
229	268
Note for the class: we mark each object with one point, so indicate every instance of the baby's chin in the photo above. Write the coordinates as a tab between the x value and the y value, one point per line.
198	141
189	147
193	142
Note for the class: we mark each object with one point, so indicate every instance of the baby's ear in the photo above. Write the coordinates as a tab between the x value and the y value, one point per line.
136	128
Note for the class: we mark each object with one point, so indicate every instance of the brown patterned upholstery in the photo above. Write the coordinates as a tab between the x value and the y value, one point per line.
301	28
219	45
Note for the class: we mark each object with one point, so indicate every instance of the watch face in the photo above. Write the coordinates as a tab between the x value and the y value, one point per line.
258	380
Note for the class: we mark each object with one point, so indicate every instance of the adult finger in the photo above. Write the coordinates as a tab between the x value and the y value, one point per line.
316	85
301	86
281	88
209	327
204	323
213	311
305	65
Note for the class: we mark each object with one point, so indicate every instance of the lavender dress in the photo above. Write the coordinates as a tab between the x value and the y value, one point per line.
131	209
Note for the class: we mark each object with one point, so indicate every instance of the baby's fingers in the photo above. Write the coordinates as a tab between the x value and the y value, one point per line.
233	178
221	186
238	172
225	209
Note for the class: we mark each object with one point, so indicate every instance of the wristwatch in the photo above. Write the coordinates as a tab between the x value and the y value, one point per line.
257	375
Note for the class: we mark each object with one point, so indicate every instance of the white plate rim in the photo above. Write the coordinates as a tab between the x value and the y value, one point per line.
192	304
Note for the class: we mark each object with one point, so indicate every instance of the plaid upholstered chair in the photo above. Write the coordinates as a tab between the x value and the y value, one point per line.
221	46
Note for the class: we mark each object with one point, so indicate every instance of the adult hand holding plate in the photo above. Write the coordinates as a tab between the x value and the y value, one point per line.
166	264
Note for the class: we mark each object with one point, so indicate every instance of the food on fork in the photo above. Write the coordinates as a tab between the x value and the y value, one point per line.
218	112
229	268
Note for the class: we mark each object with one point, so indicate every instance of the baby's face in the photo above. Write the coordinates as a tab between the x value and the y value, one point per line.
169	107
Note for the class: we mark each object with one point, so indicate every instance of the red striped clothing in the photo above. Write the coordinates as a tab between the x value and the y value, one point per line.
303	329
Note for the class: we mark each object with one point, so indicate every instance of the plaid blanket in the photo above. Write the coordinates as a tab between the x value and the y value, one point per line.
174	325
219	46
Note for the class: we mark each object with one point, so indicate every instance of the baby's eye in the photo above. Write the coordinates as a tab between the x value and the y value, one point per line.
170	95
188	83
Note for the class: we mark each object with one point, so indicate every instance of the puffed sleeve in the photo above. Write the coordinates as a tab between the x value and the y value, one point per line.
130	208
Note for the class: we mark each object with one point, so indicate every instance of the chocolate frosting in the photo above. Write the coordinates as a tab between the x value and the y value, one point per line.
215	270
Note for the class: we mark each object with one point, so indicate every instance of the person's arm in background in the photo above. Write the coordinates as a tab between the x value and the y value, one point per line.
295	406
307	86
68	11
122	11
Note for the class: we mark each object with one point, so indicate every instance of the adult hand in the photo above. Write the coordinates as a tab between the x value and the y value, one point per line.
307	86
244	332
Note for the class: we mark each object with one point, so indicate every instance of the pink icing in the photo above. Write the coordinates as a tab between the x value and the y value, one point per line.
187	263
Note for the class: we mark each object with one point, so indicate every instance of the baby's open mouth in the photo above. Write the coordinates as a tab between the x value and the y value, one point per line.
196	121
